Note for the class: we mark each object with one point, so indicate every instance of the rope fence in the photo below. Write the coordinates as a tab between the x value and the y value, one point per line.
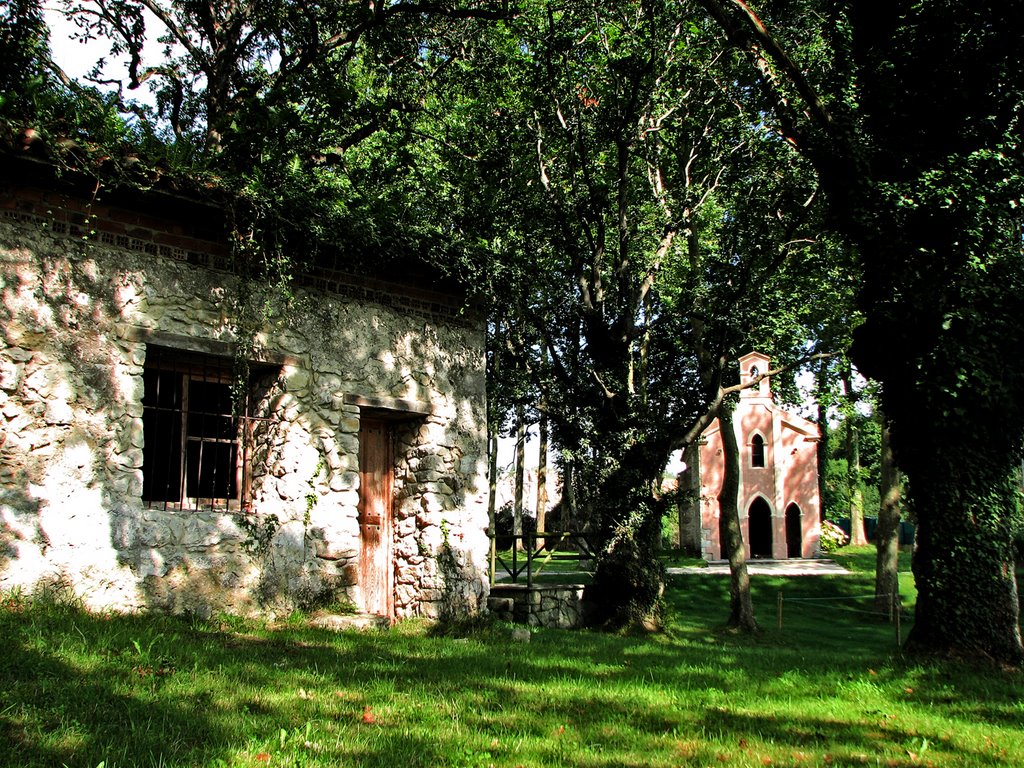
892	601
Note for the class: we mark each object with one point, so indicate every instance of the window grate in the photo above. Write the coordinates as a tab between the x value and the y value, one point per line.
198	441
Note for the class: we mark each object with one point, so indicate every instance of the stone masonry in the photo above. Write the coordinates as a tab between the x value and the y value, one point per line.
82	307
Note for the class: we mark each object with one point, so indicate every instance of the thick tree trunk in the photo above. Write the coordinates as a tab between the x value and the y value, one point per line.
956	436
967	601
887	534
629	580
741	608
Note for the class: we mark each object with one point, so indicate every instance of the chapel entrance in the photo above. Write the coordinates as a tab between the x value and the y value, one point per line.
376	481
759	526
794	532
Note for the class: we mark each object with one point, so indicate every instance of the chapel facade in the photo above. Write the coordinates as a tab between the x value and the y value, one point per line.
779	503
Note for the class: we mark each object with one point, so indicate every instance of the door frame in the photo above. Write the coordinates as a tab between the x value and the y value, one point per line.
382	487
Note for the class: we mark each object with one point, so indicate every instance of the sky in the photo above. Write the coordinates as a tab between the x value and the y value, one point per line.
77	58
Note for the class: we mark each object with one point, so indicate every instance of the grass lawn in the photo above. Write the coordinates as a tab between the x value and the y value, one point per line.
827	690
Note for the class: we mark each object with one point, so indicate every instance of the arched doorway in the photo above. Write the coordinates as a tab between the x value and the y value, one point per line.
759	528
794	532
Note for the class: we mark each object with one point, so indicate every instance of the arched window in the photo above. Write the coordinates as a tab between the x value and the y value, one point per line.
757	451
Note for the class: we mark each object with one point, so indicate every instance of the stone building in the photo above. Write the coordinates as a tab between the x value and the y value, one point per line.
145	462
778	497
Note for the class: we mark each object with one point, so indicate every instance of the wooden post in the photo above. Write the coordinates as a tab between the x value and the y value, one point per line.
896	612
529	542
899	632
778	610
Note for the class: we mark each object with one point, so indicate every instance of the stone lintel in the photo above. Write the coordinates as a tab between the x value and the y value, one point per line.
389	407
204	346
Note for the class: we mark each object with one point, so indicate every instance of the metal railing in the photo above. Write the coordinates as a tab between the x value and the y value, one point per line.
536	552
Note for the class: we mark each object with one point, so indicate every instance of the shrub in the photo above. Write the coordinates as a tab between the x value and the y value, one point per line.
832	537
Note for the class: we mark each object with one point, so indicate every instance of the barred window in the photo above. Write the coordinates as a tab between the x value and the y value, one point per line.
198	446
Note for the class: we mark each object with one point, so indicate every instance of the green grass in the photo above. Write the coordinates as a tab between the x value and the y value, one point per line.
862	559
829	689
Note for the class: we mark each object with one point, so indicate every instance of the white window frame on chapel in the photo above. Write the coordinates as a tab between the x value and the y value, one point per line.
758	448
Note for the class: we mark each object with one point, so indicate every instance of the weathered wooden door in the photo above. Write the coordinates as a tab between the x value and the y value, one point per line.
376	478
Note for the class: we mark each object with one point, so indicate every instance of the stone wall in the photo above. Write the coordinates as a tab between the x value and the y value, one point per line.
541	605
81	313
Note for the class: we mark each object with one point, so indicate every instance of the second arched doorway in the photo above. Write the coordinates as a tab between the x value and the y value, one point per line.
759	528
794	532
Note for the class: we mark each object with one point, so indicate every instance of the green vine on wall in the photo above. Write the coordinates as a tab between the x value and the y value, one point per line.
312	497
260	532
452	607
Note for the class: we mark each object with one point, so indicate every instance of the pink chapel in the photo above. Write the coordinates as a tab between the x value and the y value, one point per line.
778	498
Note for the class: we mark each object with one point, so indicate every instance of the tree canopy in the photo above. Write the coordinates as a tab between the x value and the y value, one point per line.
642	190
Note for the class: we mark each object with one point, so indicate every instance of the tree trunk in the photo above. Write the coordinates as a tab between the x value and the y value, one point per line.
822	446
492	461
741	608
570	520
492	491
887	534
542	476
629	580
853	483
853	480
517	504
967	600
690	504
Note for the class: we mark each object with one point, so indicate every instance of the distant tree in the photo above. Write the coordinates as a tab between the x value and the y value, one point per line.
24	51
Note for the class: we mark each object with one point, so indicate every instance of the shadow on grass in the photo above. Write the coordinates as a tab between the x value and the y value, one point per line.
77	689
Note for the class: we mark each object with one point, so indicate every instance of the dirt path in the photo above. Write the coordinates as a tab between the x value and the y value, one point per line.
815	567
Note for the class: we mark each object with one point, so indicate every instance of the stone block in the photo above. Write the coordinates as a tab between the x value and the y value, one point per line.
500	605
335	550
344	481
18	355
10	375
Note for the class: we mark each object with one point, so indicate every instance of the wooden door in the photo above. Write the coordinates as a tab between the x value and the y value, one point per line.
376	479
